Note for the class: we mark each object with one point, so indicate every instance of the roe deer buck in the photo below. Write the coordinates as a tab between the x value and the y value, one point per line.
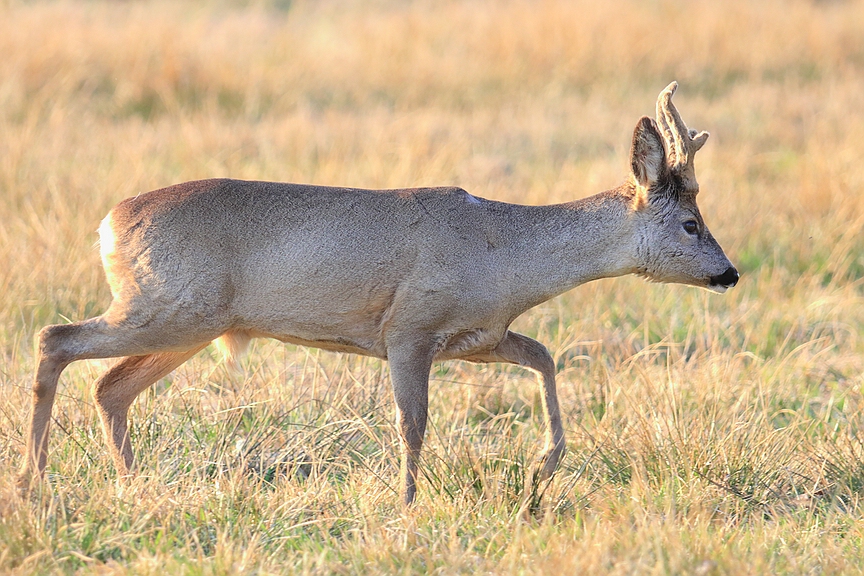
411	276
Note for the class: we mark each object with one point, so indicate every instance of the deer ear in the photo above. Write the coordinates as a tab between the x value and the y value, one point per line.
647	155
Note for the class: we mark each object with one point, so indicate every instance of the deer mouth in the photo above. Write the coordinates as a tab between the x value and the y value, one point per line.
724	281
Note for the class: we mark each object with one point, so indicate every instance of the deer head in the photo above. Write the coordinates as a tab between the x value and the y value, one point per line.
673	242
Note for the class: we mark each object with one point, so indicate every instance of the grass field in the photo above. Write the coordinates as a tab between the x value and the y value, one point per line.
706	434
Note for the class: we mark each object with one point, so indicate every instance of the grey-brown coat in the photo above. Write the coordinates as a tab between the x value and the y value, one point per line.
411	276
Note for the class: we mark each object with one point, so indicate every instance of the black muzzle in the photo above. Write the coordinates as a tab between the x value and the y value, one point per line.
728	279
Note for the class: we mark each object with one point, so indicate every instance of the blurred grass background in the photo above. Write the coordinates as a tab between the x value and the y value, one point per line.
706	434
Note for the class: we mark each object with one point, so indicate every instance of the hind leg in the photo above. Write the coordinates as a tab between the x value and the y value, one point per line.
117	389
48	369
63	344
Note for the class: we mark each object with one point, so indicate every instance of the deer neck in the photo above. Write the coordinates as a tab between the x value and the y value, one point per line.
565	245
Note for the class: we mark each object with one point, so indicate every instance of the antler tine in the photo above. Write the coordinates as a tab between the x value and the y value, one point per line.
674	150
698	139
681	142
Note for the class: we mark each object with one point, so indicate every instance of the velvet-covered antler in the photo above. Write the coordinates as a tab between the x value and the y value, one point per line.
681	143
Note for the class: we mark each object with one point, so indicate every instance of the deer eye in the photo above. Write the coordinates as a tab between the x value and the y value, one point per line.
691	227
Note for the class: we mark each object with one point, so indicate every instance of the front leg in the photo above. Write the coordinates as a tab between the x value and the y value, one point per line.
518	349
410	361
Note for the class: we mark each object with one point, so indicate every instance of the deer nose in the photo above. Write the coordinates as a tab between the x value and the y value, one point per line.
729	278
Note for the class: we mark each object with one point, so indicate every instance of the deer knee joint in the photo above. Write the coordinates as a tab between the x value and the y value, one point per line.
545	363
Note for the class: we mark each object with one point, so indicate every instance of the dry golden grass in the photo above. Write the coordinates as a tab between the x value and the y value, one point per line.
706	434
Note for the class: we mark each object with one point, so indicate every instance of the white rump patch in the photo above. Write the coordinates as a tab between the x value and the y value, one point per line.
108	251
107	240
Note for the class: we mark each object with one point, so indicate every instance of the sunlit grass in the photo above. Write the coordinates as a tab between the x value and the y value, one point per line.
706	434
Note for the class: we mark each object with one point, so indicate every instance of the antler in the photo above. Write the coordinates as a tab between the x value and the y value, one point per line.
681	143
